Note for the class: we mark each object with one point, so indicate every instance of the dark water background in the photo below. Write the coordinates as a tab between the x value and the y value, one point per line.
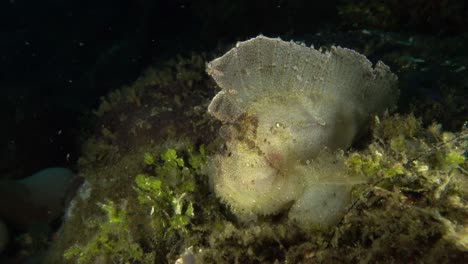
57	58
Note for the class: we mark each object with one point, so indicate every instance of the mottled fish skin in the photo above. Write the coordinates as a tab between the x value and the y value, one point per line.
287	104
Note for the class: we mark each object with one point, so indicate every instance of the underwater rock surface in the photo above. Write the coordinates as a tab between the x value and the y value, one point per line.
282	105
411	208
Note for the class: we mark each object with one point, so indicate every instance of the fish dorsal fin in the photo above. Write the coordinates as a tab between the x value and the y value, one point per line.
268	67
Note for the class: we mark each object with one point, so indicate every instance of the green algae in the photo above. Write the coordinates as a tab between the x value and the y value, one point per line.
112	243
164	206
404	212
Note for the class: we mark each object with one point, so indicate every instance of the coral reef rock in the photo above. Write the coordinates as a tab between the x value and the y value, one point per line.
286	111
